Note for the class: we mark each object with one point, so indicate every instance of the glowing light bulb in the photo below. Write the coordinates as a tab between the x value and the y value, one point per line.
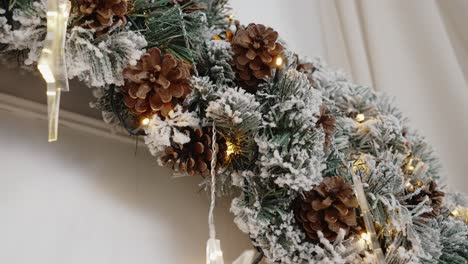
409	186
145	121
360	165
460	213
231	148
365	237
360	117
279	61
231	17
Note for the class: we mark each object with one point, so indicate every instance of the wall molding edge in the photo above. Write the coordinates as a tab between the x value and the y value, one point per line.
68	119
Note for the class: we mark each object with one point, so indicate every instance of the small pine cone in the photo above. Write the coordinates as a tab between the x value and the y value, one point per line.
194	157
101	15
255	49
328	207
328	123
156	84
435	195
308	69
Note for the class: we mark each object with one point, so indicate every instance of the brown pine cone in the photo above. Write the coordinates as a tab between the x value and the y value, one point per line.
255	49
429	189
327	121
308	69
194	157
328	207
156	84
101	14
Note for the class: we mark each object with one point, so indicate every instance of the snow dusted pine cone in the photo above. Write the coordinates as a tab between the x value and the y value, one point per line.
328	207
101	14
435	195
194	157
255	49
156	84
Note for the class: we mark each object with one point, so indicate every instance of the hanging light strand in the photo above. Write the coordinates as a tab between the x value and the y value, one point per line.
214	255
371	236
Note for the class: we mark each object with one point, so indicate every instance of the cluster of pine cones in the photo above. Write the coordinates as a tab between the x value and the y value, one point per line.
160	82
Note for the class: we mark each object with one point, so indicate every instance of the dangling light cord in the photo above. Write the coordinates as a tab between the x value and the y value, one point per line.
211	223
368	220
214	255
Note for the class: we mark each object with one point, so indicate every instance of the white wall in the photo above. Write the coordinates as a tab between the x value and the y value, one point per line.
87	199
297	21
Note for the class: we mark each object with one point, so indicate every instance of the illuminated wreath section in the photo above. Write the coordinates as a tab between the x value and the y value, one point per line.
323	170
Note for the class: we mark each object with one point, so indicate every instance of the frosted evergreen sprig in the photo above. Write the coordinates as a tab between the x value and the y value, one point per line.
171	30
237	117
290	147
216	62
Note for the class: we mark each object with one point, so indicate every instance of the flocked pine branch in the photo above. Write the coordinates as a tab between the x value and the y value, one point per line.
290	148
173	30
217	14
216	62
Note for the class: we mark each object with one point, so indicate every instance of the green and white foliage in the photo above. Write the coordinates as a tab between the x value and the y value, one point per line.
100	61
236	116
203	92
454	242
172	30
217	14
24	30
216	62
266	216
290	148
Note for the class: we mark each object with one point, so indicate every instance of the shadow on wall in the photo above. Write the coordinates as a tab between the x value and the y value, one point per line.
91	200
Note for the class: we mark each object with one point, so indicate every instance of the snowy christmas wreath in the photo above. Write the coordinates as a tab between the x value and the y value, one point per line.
324	170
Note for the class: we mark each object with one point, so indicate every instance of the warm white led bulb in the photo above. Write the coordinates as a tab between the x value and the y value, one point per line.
145	121
360	117
279	61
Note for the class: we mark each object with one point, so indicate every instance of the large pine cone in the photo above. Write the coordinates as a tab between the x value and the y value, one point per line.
156	84
194	157
255	49
436	196
328	207
101	14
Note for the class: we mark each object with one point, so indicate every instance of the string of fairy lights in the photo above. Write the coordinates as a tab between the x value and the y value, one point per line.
52	66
